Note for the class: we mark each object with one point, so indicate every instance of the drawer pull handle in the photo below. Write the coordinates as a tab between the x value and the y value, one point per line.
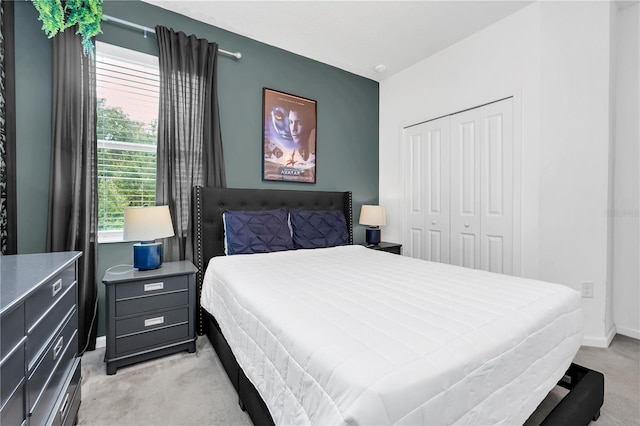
57	348
56	287
64	404
153	286
154	321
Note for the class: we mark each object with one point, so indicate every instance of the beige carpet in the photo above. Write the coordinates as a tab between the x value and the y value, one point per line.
180	389
193	389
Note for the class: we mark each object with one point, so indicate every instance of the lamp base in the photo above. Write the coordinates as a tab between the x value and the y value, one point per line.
147	255
373	236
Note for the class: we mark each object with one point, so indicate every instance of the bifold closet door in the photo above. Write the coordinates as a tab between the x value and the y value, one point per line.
497	190
465	189
482	188
458	188
426	187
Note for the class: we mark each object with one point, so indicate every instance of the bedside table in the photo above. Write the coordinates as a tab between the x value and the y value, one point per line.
149	313
384	246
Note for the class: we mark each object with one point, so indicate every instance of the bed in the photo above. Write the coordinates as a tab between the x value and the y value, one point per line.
319	355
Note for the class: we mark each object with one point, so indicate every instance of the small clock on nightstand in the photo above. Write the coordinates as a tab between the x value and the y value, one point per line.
384	246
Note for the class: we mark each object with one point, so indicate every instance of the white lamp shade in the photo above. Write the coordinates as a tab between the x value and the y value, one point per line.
147	223
373	215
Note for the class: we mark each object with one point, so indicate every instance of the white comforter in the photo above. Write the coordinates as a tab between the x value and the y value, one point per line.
349	335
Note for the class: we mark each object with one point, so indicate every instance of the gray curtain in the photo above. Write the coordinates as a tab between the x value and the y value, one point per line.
73	182
189	141
8	226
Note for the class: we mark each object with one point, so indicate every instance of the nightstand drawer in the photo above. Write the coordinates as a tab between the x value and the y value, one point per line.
151	339
151	321
151	286
40	336
48	294
151	303
149	313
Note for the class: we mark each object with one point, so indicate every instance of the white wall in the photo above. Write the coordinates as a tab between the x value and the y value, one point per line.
574	171
480	69
626	179
554	58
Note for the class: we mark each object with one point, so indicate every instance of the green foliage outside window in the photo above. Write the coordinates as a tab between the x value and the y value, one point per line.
125	177
114	124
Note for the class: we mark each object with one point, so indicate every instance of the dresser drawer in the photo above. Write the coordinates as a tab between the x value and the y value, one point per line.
151	286
41	408
151	339
11	371
151	321
67	405
12	330
12	413
151	303
40	301
41	334
44	382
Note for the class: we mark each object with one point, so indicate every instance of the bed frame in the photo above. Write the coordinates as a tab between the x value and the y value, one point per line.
581	405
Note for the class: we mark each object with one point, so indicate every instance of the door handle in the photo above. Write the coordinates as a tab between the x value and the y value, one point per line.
466	225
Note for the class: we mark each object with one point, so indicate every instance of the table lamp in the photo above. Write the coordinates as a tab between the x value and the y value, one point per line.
145	224
374	217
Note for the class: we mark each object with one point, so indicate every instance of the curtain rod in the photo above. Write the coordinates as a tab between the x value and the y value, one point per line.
146	30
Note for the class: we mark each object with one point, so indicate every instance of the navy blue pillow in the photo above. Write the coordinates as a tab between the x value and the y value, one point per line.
257	231
318	228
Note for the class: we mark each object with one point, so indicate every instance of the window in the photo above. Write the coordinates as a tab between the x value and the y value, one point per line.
127	117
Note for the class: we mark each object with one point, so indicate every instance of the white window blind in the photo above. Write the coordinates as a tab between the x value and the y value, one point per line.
127	116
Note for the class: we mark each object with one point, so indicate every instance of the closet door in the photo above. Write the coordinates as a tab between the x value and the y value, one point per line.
426	187
458	189
465	189
496	182
482	188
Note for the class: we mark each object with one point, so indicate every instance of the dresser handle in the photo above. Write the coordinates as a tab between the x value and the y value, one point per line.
57	349
56	287
153	286
64	404
154	321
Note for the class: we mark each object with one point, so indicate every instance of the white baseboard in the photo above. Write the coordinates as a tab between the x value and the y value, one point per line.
611	334
600	342
101	342
629	332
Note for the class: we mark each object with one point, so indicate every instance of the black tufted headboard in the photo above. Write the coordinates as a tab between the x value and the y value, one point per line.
209	204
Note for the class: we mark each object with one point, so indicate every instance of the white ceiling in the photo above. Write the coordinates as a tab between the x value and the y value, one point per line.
352	35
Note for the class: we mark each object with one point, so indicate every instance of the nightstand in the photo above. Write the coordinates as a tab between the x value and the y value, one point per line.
149	313
384	246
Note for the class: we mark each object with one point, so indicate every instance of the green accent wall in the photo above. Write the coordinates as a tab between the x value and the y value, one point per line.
33	128
347	128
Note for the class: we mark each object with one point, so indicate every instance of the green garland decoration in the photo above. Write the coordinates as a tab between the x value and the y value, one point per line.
56	17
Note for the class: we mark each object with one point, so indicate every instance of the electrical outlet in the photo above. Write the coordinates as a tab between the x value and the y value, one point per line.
587	289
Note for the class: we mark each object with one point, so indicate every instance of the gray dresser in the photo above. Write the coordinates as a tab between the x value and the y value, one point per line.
149	313
39	366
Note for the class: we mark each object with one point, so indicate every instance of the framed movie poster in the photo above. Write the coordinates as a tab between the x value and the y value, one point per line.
289	137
